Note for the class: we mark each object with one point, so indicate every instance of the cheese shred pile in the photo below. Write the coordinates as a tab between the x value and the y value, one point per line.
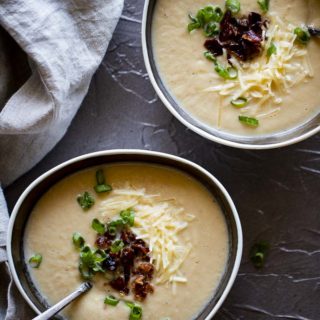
261	80
159	223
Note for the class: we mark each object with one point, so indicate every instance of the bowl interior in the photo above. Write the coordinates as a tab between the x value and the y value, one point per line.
38	302
280	139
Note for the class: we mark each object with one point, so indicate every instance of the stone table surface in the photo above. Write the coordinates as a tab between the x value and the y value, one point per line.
276	191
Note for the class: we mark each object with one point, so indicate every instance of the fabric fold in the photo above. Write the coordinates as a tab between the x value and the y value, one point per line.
63	43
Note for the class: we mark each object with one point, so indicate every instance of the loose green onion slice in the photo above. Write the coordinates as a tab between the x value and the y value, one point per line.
251	122
111	300
35	260
228	74
98	226
205	18
211	29
101	186
194	24
78	240
240	102
303	35
128	217
233	5
271	50
117	246
136	313
86	201
130	304
208	55
264	5
233	73
258	254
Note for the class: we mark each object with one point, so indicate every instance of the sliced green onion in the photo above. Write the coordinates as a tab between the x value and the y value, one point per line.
130	304
111	301
211	29
78	240
240	102
128	217
194	24
100	177
98	226
264	5
136	313
35	260
271	50
233	5
303	35
117	246
233	73
86	201
112	230
226	73
101	186
258	254
251	122
208	55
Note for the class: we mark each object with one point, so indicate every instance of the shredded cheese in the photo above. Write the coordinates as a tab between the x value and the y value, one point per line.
159	223
259	82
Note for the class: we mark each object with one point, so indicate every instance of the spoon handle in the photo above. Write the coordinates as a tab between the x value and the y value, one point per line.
63	303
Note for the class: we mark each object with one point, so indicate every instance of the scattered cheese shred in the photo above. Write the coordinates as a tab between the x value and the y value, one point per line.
260	81
159	223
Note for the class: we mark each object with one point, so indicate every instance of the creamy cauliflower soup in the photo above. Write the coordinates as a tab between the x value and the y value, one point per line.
247	67
153	241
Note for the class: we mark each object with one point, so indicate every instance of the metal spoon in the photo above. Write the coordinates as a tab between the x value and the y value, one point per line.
64	302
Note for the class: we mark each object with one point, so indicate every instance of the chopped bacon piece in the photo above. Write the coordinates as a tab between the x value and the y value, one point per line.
141	287
120	285
241	37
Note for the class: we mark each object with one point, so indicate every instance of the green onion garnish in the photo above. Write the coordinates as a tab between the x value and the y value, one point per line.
130	304
35	260
226	73
101	183
91	262
98	226
251	122
233	5
111	300
194	24
78	240
211	29
264	5
128	217
117	246
204	19
303	35
240	102
259	253
86	201
136	313
271	50
208	55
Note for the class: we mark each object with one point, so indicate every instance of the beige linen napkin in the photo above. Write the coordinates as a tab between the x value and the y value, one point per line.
63	43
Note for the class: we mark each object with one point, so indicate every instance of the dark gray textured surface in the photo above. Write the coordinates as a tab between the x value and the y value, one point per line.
276	192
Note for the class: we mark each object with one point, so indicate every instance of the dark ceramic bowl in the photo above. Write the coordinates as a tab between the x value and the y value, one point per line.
34	192
271	141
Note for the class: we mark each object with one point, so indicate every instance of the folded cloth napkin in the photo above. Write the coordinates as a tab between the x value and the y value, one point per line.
64	42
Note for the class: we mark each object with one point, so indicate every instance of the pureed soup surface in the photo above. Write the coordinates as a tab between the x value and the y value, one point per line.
187	74
57	215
